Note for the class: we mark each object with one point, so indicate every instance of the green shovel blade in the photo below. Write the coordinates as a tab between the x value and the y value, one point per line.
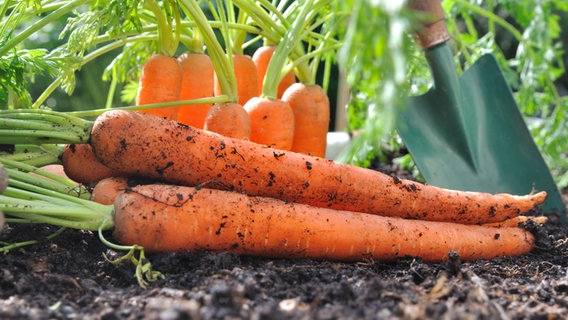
467	133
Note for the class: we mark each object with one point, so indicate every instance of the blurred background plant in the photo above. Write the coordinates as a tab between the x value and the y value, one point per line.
81	54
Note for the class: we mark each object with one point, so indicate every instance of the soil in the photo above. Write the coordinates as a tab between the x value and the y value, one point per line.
69	278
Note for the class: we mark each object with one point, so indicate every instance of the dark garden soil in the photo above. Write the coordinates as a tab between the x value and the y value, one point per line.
68	278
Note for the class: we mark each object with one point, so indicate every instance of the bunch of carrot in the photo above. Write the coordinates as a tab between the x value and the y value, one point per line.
257	200
249	97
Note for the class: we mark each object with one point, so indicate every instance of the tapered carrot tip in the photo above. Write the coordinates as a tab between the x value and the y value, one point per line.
538	198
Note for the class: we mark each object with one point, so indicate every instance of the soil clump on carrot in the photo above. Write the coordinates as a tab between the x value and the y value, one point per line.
68	278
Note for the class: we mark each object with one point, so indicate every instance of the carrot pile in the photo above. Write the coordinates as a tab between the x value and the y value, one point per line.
211	192
229	166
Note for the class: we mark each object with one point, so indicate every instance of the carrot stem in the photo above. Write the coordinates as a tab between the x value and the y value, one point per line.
166	42
96	112
31	154
221	63
66	128
282	51
8	247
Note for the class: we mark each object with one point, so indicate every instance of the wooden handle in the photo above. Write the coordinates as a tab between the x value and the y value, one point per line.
433	31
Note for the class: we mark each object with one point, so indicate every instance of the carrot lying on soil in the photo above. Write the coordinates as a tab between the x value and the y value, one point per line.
261	58
107	189
197	82
229	119
192	219
514	222
81	165
155	148
160	82
246	77
272	122
310	105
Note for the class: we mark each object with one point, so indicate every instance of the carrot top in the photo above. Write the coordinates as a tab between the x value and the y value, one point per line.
222	62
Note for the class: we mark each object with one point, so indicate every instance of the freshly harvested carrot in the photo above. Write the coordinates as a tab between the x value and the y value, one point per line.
107	189
228	119
310	105
160	82
57	168
81	165
246	77
272	122
175	218
197	82
514	222
261	58
152	147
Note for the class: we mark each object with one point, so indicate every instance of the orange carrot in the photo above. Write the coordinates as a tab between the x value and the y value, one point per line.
81	165
160	82
514	222
155	148
261	58
310	105
56	169
246	77
272	122
197	82
228	119
107	189
174	218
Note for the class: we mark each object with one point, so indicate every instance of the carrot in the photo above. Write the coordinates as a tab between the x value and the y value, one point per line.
246	77
261	58
174	218
107	189
81	165
56	169
197	82
155	148
513	222
272	122
310	105
228	119
160	82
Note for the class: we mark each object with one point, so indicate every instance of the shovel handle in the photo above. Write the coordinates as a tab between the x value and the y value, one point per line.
433	30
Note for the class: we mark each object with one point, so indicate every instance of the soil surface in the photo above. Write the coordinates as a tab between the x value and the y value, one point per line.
69	278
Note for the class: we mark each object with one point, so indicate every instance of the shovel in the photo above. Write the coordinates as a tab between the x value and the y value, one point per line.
467	132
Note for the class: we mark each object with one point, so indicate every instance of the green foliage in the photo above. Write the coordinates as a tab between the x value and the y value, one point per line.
374	55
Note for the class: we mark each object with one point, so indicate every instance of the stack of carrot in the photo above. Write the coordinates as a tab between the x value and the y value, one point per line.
211	192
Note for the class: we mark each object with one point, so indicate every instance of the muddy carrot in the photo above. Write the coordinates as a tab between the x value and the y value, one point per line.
149	146
514	222
81	165
197	82
193	219
107	190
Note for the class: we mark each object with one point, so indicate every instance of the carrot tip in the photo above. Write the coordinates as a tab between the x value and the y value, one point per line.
538	198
